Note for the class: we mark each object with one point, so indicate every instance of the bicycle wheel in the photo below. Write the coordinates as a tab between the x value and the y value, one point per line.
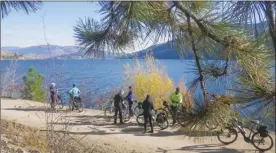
140	119
110	111
227	136
182	118
162	110
80	106
137	111
262	143
163	125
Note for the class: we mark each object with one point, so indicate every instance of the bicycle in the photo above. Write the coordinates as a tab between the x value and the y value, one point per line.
257	134
59	103
159	118
77	103
180	116
110	111
136	108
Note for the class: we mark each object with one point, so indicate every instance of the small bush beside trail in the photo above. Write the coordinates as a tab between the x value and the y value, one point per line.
32	82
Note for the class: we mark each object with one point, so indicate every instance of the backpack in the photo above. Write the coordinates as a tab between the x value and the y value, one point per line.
263	131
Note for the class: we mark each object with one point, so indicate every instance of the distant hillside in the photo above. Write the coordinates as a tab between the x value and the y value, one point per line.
169	51
166	50
51	51
42	51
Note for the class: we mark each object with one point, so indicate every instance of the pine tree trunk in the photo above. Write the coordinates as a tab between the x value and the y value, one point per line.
195	51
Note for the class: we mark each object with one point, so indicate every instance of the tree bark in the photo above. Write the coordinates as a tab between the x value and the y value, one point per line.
195	51
270	20
202	27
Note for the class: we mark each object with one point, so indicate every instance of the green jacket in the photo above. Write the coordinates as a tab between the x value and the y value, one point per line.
176	99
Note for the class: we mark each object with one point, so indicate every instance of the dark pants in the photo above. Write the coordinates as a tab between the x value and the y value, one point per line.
130	103
148	117
75	100
119	109
53	99
174	110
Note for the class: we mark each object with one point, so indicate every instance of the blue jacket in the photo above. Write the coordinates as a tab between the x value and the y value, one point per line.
130	96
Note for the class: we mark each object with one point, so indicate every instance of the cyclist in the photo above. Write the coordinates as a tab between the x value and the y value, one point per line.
74	95
176	100
148	107
118	103
130	98
54	94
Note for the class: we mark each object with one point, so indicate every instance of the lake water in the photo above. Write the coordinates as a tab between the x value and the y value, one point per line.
100	76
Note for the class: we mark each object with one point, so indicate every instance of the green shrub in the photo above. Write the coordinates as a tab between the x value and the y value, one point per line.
32	82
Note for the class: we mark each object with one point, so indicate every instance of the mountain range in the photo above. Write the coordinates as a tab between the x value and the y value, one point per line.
51	51
159	51
42	51
169	49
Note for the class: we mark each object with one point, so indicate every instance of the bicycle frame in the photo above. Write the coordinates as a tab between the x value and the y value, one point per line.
241	129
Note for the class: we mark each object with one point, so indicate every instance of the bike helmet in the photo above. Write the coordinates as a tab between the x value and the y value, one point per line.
122	92
53	84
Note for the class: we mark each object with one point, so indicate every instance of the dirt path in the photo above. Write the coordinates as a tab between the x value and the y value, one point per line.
117	138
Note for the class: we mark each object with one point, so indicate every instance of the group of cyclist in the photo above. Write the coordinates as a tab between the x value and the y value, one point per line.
74	94
147	105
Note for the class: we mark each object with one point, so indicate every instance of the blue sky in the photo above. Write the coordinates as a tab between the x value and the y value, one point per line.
20	29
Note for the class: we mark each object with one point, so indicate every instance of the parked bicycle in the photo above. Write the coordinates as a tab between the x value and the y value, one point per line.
258	136
159	118
181	115
110	111
137	108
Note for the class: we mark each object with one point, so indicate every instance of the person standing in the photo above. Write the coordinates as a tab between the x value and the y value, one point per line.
53	94
176	100
148	107
130	99
75	96
118	102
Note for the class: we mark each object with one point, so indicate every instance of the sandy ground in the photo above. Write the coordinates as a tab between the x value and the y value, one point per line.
125	138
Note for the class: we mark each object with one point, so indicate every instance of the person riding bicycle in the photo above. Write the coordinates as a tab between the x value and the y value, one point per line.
176	99
74	95
118	103
148	107
130	98
54	94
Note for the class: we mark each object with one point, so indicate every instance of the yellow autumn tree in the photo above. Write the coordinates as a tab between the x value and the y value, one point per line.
149	78
188	101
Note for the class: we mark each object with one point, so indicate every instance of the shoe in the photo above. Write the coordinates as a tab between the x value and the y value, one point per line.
151	131
173	123
122	123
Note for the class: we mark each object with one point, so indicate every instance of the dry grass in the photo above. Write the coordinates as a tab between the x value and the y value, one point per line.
33	139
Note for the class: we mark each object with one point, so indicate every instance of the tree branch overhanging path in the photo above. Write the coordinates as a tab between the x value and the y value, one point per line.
188	24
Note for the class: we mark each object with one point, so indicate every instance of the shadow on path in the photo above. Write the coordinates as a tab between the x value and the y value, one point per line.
37	109
210	148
